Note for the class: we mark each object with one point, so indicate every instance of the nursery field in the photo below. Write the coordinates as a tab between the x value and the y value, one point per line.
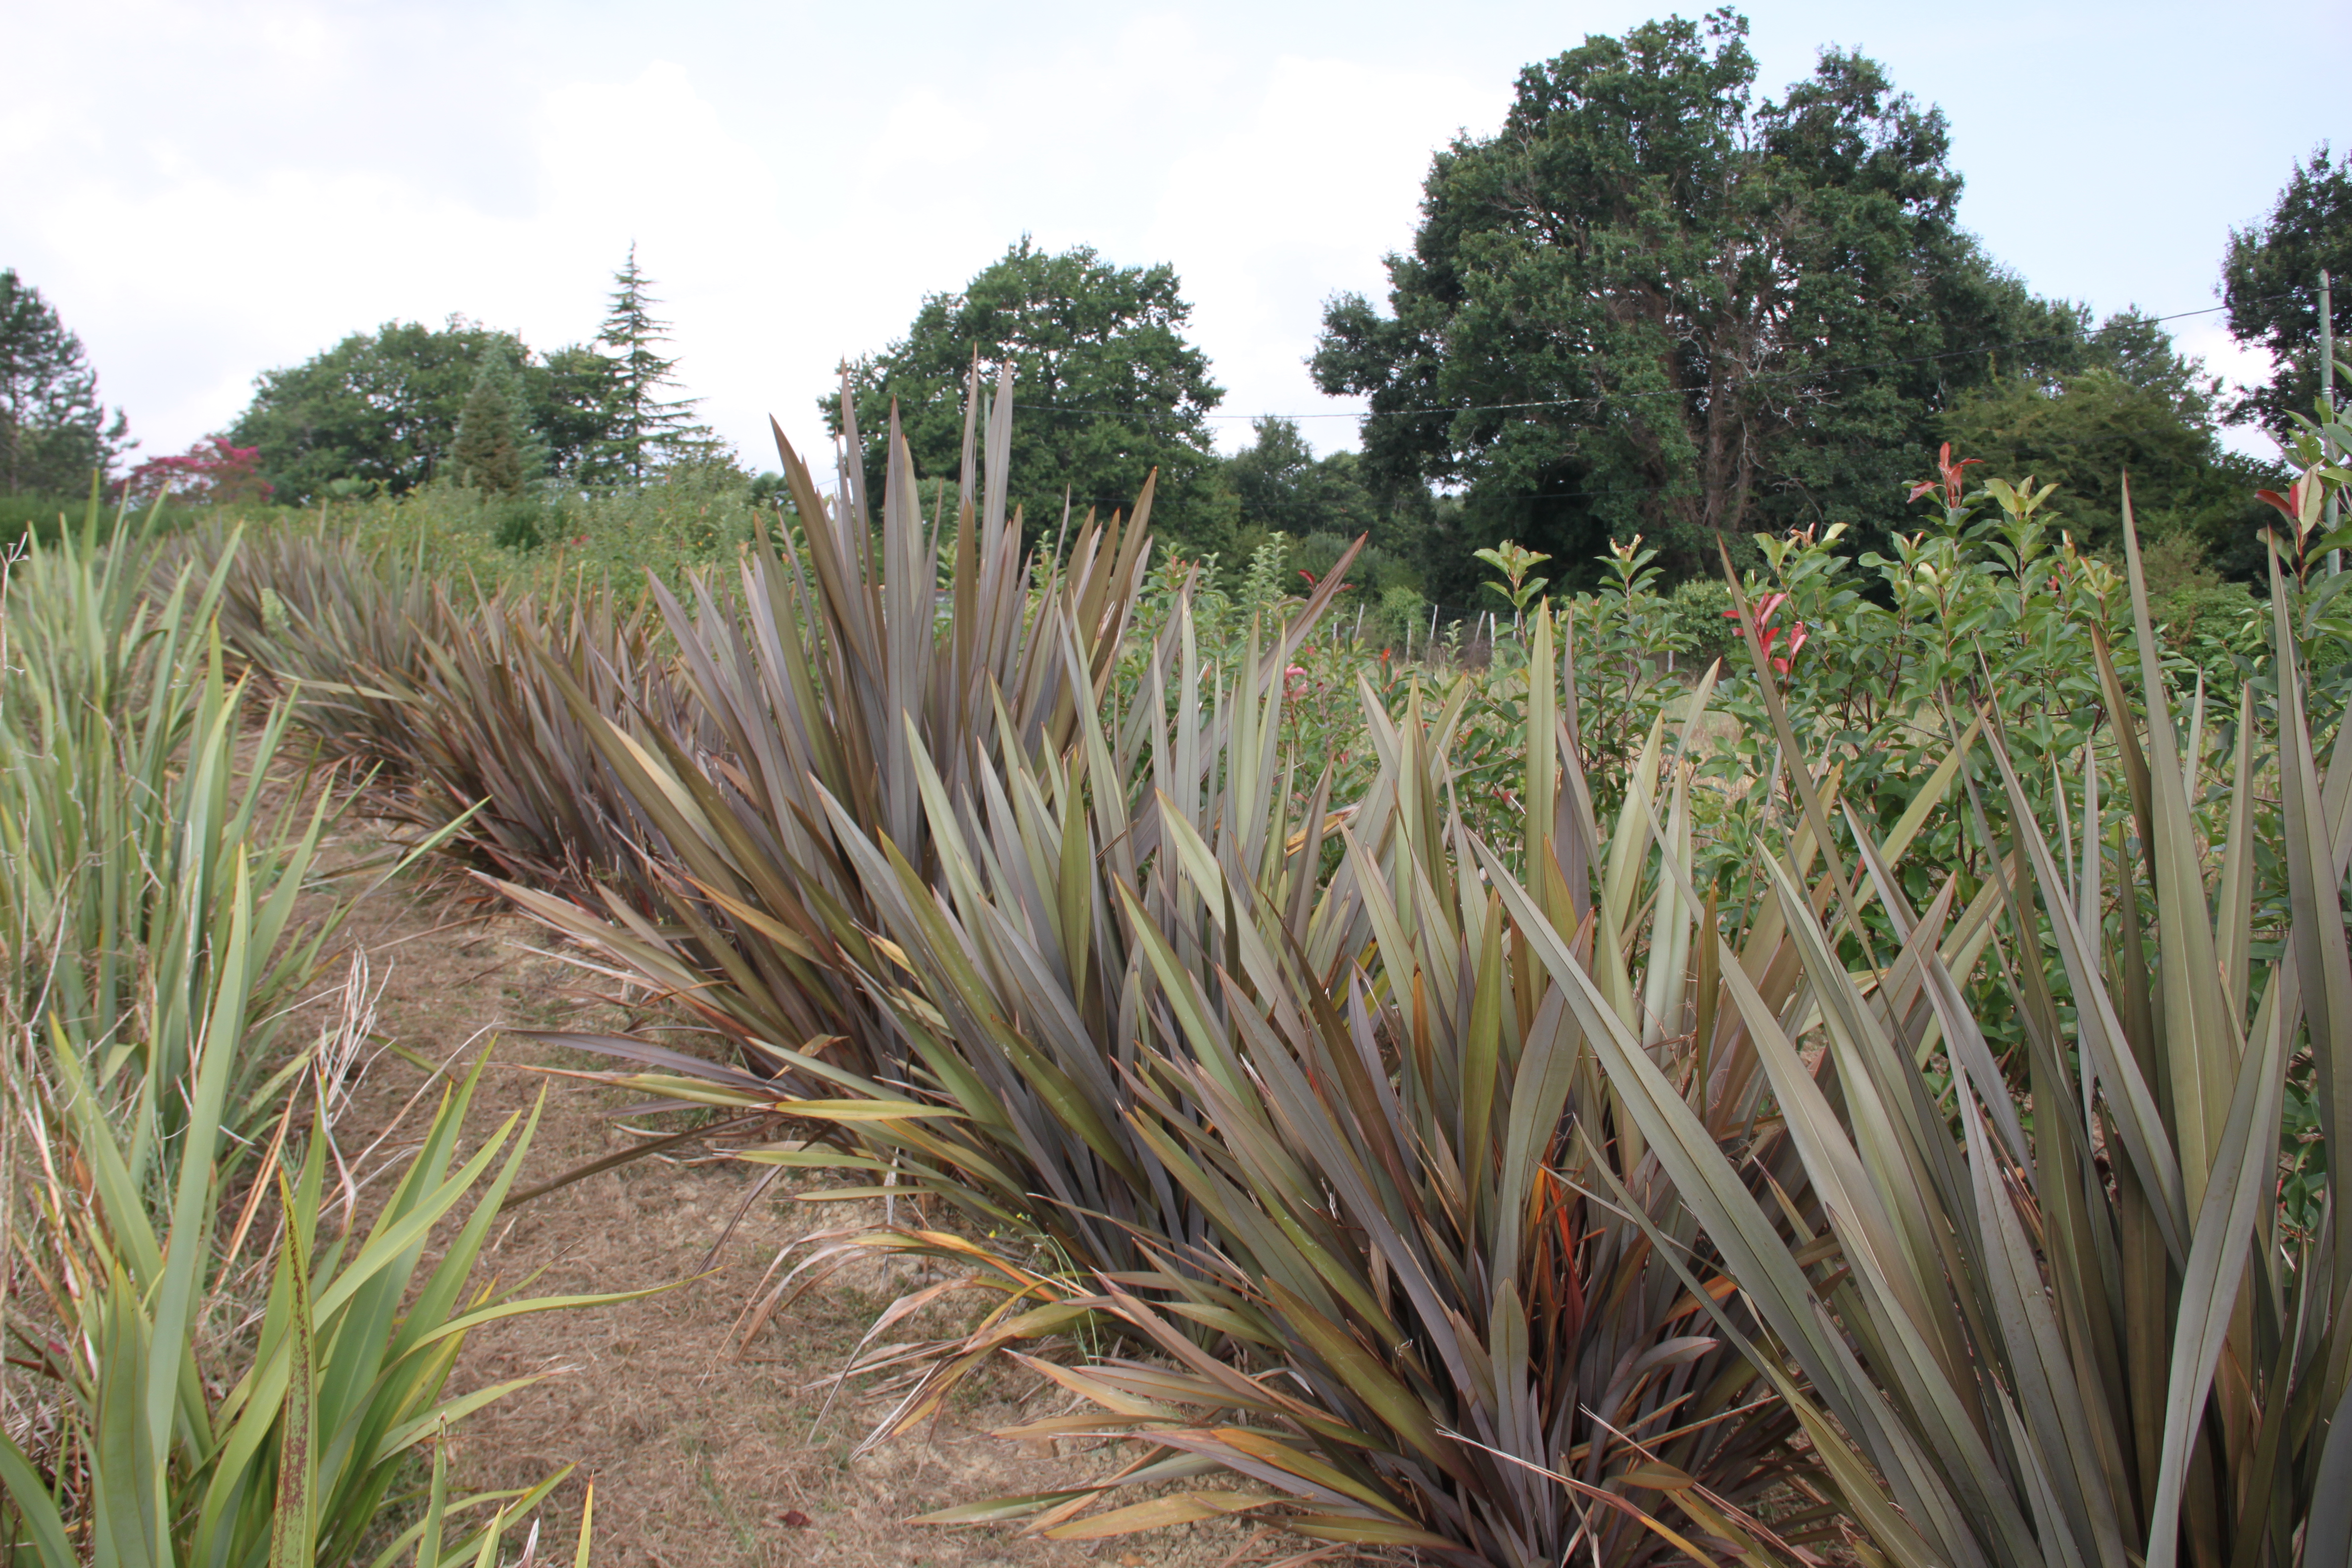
707	1452
896	1045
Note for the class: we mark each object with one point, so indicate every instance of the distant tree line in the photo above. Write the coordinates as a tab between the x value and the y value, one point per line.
381	412
406	404
1651	302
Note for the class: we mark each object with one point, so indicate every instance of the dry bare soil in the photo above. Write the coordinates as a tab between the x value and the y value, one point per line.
706	1452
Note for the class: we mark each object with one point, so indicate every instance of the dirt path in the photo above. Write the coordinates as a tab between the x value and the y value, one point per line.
703	1457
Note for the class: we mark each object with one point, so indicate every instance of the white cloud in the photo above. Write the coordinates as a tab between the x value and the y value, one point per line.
651	151
1296	199
2238	366
924	132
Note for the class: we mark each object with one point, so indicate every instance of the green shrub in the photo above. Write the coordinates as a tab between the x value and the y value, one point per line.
1699	617
1372	572
1400	619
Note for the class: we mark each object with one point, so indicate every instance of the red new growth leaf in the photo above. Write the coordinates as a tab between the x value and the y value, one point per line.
1770	634
1949	476
2290	504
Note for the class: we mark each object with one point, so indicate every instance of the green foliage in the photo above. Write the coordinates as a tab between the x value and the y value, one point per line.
1399	618
194	1407
1515	562
2040	1310
1903	1064
1110	393
1653	304
379	414
1266	579
496	450
54	432
686	518
29	519
1367	571
1464	1343
380	409
801	657
435	691
2270	281
570	392
1703	624
188	1436
644	431
129	827
1282	488
2137	409
1141	1051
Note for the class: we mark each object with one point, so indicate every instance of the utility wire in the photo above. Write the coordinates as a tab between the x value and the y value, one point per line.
1597	399
1603	398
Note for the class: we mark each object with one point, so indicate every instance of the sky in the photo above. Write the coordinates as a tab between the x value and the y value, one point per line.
205	191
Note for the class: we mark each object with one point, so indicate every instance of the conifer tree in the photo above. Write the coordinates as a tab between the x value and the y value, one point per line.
53	432
645	431
496	450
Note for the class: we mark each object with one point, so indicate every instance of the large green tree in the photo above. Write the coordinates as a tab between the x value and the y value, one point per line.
570	392
1282	487
54	432
1106	389
383	408
1652	302
2269	284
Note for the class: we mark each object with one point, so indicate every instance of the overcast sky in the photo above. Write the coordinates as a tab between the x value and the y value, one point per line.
206	190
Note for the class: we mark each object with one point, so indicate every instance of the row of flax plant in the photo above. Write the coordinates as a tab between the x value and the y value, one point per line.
1507	1202
213	1356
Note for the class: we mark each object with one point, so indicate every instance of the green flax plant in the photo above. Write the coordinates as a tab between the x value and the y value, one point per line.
186	1403
2081	1335
224	1398
132	800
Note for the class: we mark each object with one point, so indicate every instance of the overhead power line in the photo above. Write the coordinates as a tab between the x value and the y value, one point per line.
1594	399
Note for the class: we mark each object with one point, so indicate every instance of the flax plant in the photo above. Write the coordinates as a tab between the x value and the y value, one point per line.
200	1372
133	796
2081	1337
1431	1336
809	693
1329	1143
199	1424
442	693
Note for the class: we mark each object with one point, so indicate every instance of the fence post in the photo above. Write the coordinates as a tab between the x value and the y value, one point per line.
2328	394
